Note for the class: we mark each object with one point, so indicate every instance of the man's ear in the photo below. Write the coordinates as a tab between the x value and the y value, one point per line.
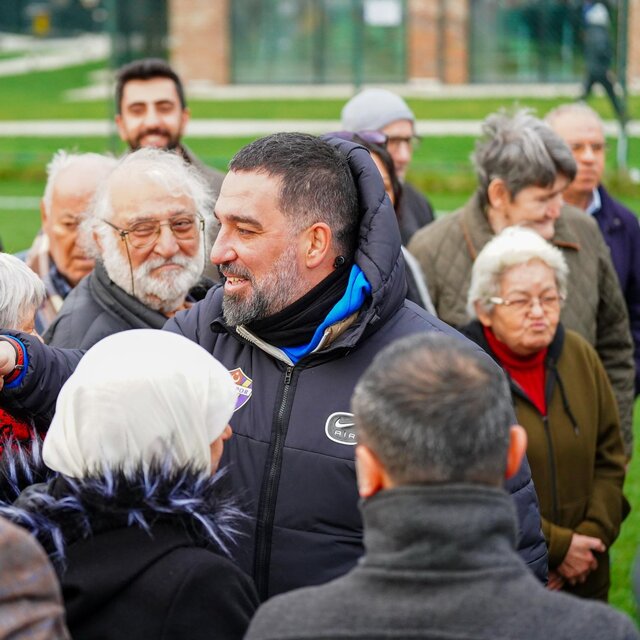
497	193
317	241
516	450
184	120
372	476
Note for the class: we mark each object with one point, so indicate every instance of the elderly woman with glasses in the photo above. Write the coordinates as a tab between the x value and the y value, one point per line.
133	516
562	398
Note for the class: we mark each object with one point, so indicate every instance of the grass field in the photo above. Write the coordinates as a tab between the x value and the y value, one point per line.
441	169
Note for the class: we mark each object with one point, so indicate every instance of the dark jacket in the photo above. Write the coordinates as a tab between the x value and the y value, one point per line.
414	213
98	308
595	307
576	454
621	232
141	556
292	451
440	562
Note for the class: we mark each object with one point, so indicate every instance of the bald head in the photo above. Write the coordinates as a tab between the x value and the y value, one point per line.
583	131
71	184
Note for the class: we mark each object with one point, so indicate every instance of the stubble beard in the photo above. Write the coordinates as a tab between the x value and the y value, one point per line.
280	287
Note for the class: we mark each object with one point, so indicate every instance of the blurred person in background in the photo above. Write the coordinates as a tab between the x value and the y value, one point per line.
147	228
382	110
523	168
22	293
56	255
583	130
598	55
152	111
135	444
30	599
562	398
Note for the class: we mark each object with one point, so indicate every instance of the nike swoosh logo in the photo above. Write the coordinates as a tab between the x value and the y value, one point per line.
344	425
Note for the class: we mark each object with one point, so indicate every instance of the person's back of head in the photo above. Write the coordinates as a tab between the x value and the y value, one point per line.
21	293
433	409
522	151
316	182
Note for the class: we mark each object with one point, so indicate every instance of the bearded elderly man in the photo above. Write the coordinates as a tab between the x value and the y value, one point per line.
57	255
523	169
583	130
315	287
148	228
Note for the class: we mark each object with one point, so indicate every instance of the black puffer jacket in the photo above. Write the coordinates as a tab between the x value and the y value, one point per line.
291	456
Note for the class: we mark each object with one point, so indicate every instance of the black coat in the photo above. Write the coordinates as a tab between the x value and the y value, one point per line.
135	562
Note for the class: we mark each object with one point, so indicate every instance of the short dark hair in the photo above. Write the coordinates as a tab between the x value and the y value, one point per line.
435	409
317	185
146	69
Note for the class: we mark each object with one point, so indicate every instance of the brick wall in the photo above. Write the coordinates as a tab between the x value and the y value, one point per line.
199	39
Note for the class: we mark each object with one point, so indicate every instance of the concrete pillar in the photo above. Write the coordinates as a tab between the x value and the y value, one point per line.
199	40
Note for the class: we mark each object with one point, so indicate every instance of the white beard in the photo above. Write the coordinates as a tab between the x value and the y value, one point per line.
164	292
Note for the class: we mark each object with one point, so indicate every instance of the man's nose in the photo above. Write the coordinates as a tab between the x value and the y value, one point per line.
555	205
166	245
222	250
151	117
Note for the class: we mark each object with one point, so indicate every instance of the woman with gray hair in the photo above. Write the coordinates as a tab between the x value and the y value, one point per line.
21	294
562	398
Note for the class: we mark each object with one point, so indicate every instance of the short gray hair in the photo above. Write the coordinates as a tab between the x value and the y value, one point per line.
435	409
522	151
63	160
512	247
571	108
168	169
21	292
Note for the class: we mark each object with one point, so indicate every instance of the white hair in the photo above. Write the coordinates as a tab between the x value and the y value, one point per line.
21	292
570	109
512	247
63	160
166	168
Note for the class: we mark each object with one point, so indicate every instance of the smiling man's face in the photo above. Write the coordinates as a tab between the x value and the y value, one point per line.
256	250
151	114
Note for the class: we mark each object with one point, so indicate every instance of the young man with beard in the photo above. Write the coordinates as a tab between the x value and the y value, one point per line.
151	111
148	225
314	287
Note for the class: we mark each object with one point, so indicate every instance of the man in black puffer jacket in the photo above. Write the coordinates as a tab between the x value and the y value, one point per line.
314	288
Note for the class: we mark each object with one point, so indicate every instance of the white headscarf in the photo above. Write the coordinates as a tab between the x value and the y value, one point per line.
135	397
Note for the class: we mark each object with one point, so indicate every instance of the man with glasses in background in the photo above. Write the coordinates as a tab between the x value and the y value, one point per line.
583	130
384	111
149	227
56	255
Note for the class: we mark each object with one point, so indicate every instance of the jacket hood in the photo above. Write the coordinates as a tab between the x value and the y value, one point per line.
378	252
60	511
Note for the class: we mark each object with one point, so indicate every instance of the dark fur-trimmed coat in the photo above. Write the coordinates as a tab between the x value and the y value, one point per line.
142	555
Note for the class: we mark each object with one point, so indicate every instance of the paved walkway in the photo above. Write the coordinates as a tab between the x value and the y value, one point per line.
247	128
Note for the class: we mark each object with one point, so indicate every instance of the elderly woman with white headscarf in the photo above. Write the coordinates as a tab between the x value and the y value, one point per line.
134	520
562	398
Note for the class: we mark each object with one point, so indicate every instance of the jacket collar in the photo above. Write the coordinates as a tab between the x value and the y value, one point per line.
442	527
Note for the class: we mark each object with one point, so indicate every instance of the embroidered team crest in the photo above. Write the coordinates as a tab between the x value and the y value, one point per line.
340	427
244	385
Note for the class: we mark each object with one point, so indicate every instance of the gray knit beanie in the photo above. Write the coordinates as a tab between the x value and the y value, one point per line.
373	109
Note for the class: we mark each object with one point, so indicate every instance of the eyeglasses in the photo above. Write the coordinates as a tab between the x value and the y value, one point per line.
581	147
144	234
368	137
547	302
395	142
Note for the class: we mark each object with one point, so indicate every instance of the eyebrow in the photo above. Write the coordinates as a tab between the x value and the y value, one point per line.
240	219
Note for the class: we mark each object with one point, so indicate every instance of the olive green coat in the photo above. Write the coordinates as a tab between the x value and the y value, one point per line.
595	307
576	455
